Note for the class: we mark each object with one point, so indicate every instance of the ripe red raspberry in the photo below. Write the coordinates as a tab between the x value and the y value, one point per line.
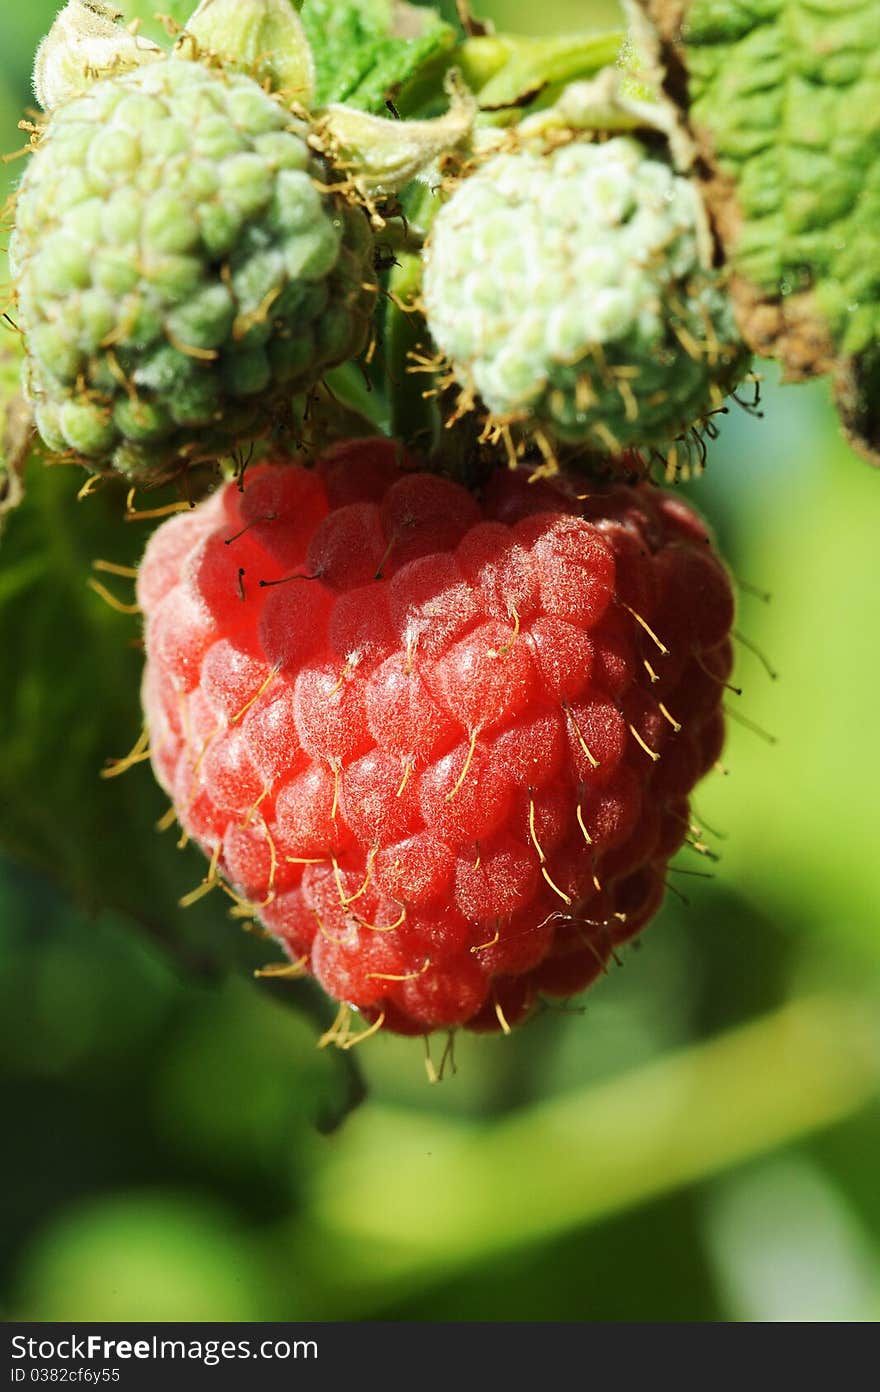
443	745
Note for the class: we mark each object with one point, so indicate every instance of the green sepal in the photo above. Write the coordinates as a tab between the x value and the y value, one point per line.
86	41
264	38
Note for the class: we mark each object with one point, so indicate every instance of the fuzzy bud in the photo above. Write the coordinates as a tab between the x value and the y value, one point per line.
263	38
87	40
384	155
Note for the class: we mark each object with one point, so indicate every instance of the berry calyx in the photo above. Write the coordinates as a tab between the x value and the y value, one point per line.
441	746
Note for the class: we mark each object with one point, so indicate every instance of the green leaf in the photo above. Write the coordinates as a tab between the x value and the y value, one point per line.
72	705
616	1144
365	51
513	74
529	68
783	97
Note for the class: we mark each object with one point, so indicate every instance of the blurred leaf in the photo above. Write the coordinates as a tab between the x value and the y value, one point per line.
73	705
558	16
148	12
784	99
366	50
455	1192
800	816
21	29
787	1247
151	1078
148	1257
647	1264
849	1155
329	1106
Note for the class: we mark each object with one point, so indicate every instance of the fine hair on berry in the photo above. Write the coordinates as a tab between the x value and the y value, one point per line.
440	744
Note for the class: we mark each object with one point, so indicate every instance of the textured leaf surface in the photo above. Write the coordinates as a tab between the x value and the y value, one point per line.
784	98
366	50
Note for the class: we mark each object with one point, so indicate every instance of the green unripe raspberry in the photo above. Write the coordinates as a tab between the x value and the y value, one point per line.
570	291
179	269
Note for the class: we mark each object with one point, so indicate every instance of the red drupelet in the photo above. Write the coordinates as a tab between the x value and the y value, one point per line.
442	744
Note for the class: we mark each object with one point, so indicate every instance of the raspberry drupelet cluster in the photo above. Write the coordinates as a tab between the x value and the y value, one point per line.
183	268
440	743
571	292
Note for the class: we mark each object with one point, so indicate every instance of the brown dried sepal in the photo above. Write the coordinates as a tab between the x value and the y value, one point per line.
18	436
857	398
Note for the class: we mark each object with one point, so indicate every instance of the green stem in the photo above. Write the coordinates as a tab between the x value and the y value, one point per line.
413	417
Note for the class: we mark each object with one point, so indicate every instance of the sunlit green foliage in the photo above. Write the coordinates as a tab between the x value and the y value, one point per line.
699	1143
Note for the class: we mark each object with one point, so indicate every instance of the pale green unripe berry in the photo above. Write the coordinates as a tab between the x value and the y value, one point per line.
180	269
571	292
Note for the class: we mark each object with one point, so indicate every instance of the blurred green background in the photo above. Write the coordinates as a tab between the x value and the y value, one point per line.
697	1140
